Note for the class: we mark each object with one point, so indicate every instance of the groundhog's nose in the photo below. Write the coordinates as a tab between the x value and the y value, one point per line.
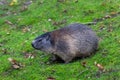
33	43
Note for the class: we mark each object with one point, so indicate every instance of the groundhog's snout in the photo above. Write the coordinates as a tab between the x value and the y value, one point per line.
33	44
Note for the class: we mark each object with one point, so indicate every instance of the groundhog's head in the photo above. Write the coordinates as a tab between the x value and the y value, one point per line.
43	43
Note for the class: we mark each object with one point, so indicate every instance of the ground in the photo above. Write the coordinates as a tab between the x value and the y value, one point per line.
22	21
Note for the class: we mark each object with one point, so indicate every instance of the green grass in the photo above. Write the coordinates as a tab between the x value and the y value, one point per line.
16	38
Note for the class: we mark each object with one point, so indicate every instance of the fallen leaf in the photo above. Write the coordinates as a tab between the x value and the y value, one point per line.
99	66
8	22
110	29
15	64
12	61
26	29
23	8
107	16
29	55
83	64
50	78
113	13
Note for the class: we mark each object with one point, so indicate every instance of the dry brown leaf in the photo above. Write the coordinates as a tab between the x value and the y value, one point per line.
110	30
23	8
99	66
12	61
15	64
83	64
50	78
26	29
113	13
8	22
107	16
29	55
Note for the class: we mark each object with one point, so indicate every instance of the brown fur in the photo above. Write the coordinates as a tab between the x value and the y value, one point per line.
75	40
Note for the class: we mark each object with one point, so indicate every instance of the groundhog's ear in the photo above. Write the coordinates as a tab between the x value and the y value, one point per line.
48	37
52	41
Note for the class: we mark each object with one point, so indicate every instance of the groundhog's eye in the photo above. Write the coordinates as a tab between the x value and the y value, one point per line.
39	40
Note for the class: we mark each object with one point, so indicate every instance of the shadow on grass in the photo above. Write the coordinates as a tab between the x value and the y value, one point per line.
60	61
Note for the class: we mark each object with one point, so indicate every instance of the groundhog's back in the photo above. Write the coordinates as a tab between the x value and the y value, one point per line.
75	39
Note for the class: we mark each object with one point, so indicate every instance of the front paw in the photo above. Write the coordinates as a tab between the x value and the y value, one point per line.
53	58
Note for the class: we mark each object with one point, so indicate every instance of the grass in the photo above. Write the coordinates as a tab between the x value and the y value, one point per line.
20	25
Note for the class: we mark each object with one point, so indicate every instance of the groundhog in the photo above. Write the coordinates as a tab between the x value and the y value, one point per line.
67	43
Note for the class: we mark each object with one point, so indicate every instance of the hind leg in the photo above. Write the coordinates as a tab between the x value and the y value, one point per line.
53	58
68	58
